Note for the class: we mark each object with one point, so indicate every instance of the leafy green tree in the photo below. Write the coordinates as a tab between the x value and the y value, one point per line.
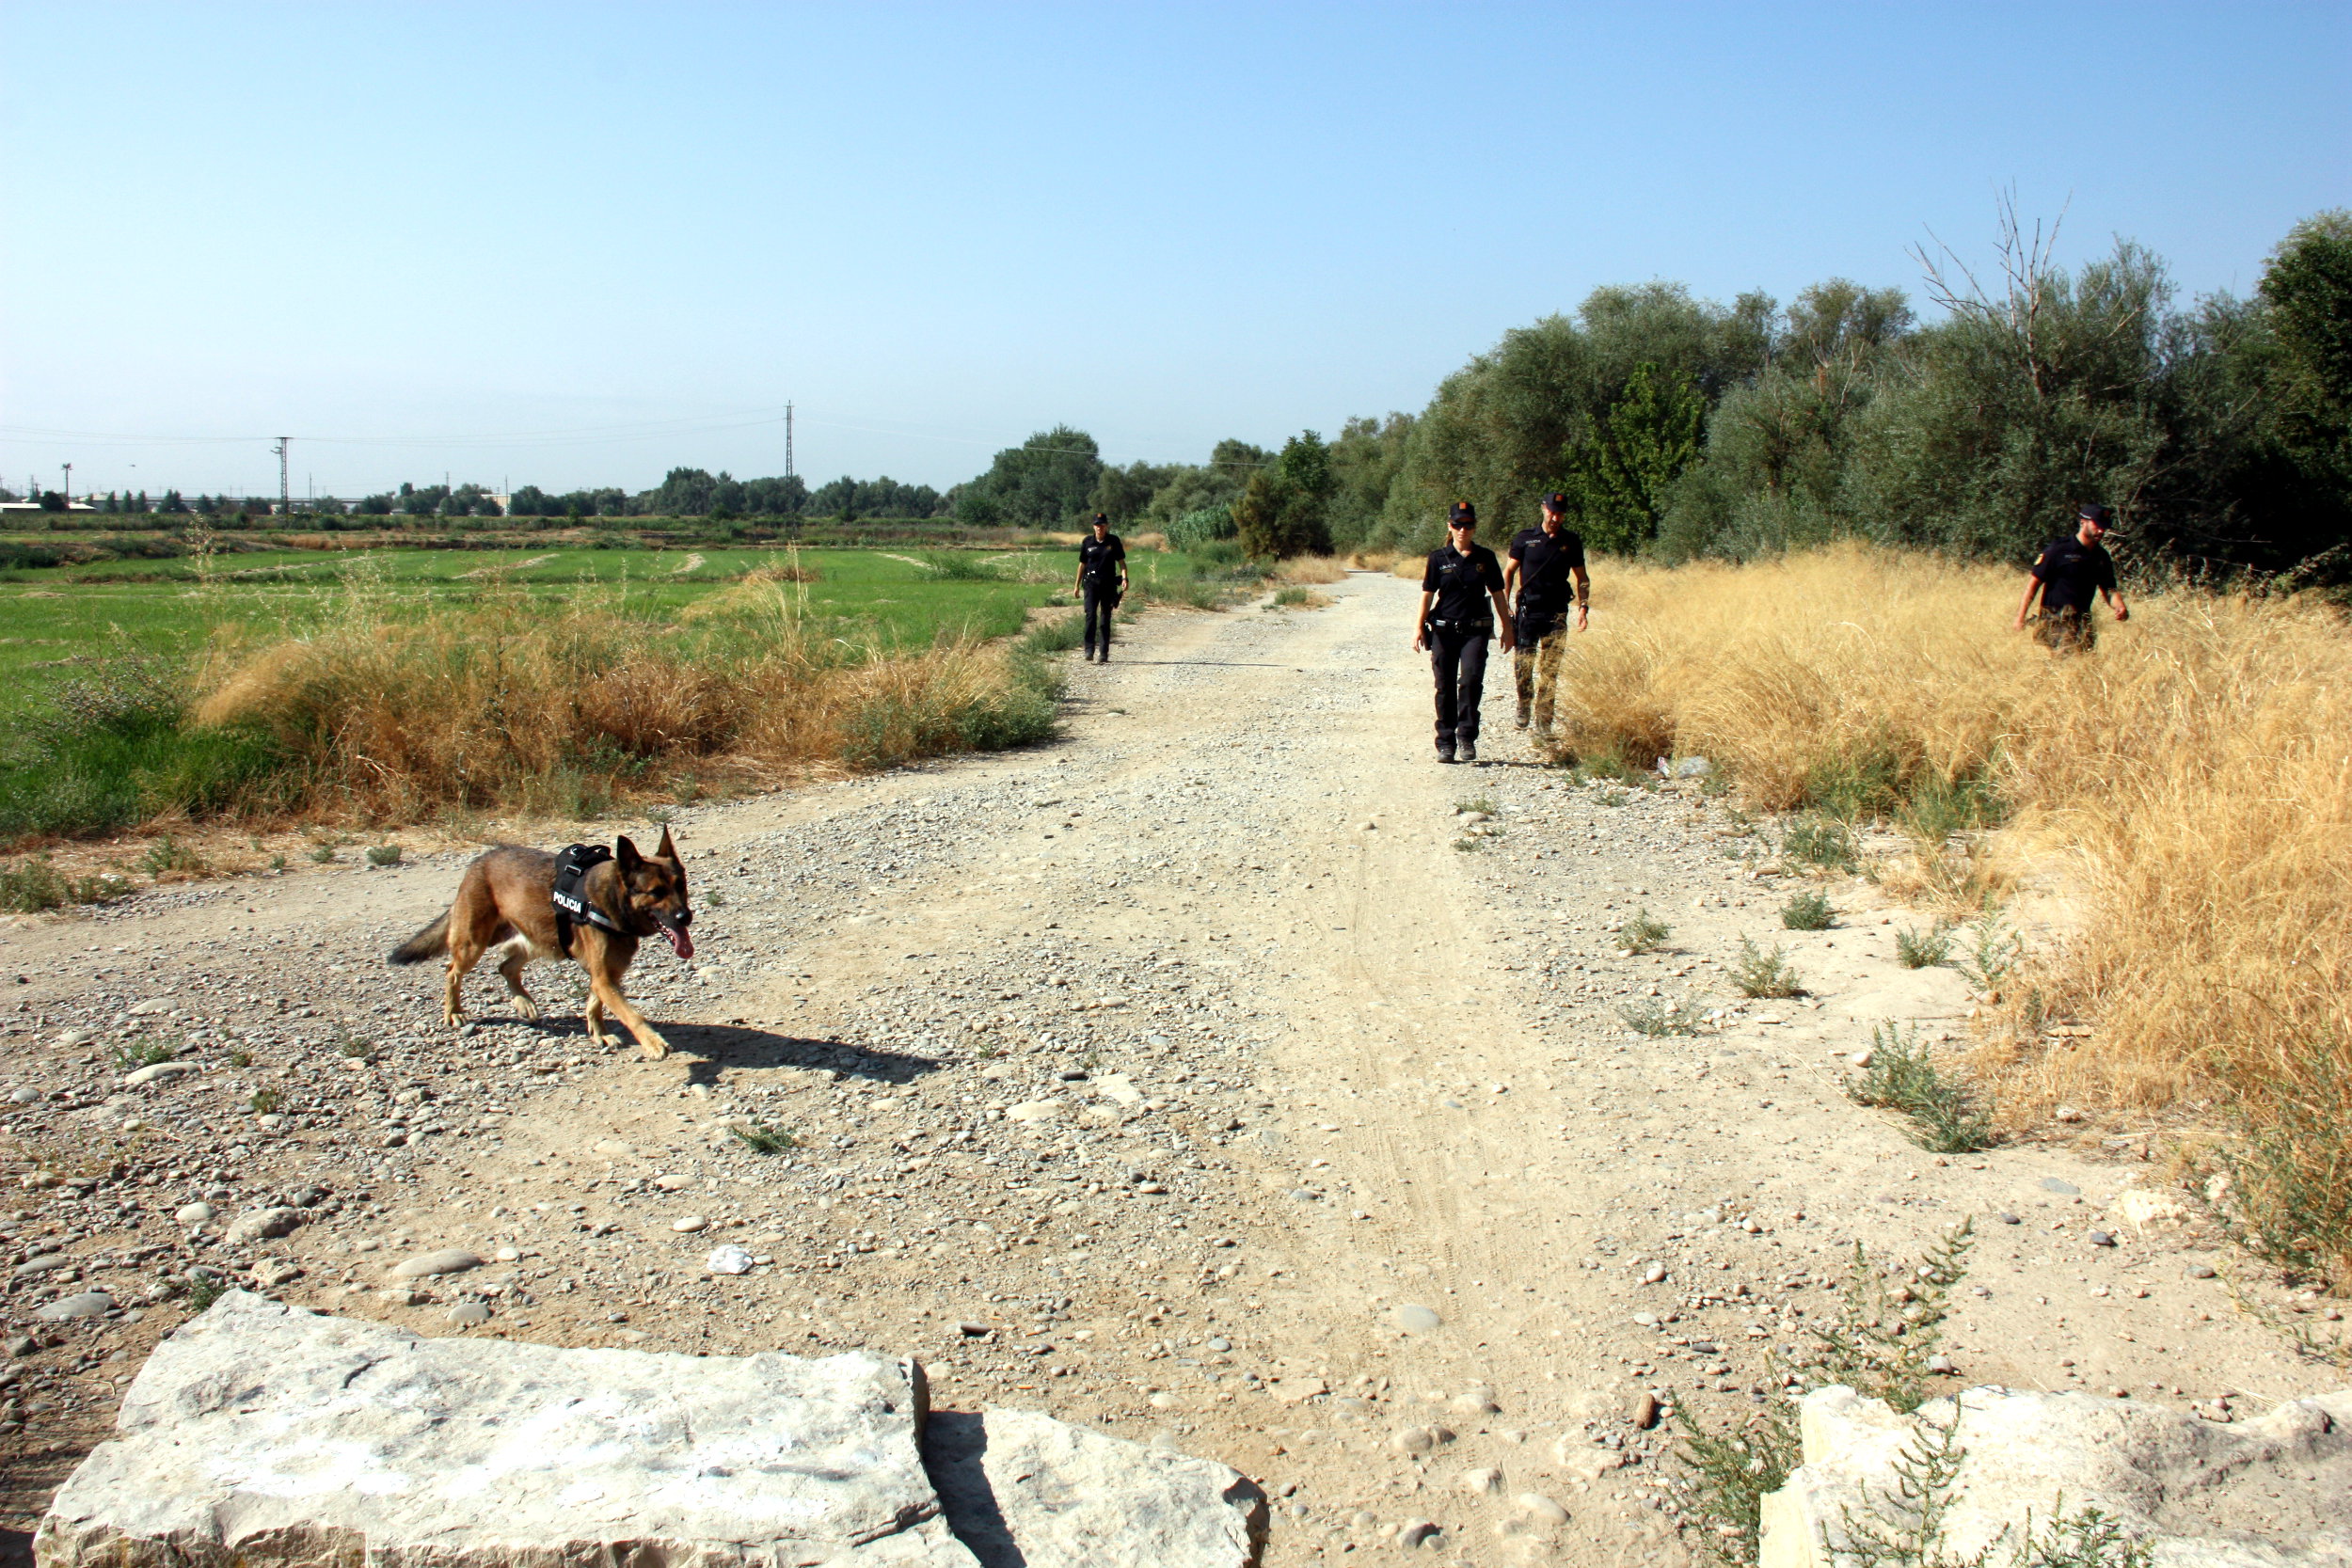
1365	461
1281	511
1621	475
1043	483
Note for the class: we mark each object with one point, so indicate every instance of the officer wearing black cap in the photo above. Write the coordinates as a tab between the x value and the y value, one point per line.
2069	570
1460	583
1102	583
1546	578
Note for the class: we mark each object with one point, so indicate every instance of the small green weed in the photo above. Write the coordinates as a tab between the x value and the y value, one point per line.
1886	1328
203	1292
277	862
760	1138
1822	842
1615	797
168	854
1468	846
1657	1018
130	1058
383	854
1294	594
265	1101
1808	912
322	853
241	1059
1760	974
1642	932
32	884
1917	949
1993	951
1476	803
1947	1118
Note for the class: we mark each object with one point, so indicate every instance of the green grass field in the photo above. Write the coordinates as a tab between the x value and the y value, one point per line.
55	620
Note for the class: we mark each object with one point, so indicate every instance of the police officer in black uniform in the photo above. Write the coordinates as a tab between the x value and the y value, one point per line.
2067	573
1102	583
1461	604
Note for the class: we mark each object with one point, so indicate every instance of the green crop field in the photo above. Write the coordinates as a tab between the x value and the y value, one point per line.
54	620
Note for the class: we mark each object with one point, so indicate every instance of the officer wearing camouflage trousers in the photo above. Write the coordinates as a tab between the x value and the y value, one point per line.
1546	578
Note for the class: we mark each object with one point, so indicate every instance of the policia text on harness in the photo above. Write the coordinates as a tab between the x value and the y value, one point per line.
572	907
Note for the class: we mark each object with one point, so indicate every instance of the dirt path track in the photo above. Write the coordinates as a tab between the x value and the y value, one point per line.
1183	1076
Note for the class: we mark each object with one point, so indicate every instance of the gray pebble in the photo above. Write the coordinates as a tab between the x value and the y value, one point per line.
2052	1184
470	1312
90	1303
24	1096
2099	1237
1943	1364
2200	1271
1305	1195
1418	1533
195	1213
2008	1218
446	1260
21	1345
1417	1319
47	1262
1221	1344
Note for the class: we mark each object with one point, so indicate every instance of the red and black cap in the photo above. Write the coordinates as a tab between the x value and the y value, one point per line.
1461	515
1556	502
2090	511
1103	520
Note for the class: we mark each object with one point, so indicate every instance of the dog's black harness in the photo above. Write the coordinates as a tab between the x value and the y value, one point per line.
571	869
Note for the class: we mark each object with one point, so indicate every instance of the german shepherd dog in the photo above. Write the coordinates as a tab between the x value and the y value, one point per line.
504	906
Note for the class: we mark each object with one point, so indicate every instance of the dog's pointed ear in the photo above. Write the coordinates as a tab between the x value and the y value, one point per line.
626	852
666	850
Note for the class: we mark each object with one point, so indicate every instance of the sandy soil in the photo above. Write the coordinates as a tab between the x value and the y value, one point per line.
1206	1076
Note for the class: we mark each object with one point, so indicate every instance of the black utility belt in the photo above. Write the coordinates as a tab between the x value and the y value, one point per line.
1476	629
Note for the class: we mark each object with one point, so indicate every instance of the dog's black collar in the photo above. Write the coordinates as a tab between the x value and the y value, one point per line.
571	906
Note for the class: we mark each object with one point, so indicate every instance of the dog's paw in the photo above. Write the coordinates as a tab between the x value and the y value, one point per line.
526	1007
654	1046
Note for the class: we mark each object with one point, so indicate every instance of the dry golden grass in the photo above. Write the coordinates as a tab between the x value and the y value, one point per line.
2184	785
1372	561
512	705
1308	569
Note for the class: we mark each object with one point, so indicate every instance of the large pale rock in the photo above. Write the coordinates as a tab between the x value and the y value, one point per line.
261	1435
1027	1491
2261	1494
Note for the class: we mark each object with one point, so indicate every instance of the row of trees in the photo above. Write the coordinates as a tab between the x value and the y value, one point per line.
697	493
2221	433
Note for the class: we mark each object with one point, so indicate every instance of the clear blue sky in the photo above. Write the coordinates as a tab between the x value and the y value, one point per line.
429	228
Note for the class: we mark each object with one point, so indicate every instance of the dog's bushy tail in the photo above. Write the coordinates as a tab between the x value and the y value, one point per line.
430	943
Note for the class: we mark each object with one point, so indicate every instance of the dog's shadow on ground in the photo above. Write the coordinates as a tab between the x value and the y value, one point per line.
709	1050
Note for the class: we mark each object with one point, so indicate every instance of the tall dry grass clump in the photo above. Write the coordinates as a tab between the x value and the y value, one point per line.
2186	783
566	709
1310	570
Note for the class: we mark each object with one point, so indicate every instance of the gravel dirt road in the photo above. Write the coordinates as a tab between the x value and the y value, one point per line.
1209	1075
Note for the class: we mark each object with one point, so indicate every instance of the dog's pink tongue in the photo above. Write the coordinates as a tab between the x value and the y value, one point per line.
679	940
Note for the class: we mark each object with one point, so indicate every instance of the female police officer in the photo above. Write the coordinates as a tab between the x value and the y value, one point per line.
1461	604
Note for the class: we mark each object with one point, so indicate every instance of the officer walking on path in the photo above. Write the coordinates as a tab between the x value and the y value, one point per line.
1546	577
1102	583
1460	583
2067	573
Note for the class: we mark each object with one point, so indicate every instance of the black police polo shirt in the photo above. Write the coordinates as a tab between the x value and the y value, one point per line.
2071	572
1462	583
1099	558
1546	563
